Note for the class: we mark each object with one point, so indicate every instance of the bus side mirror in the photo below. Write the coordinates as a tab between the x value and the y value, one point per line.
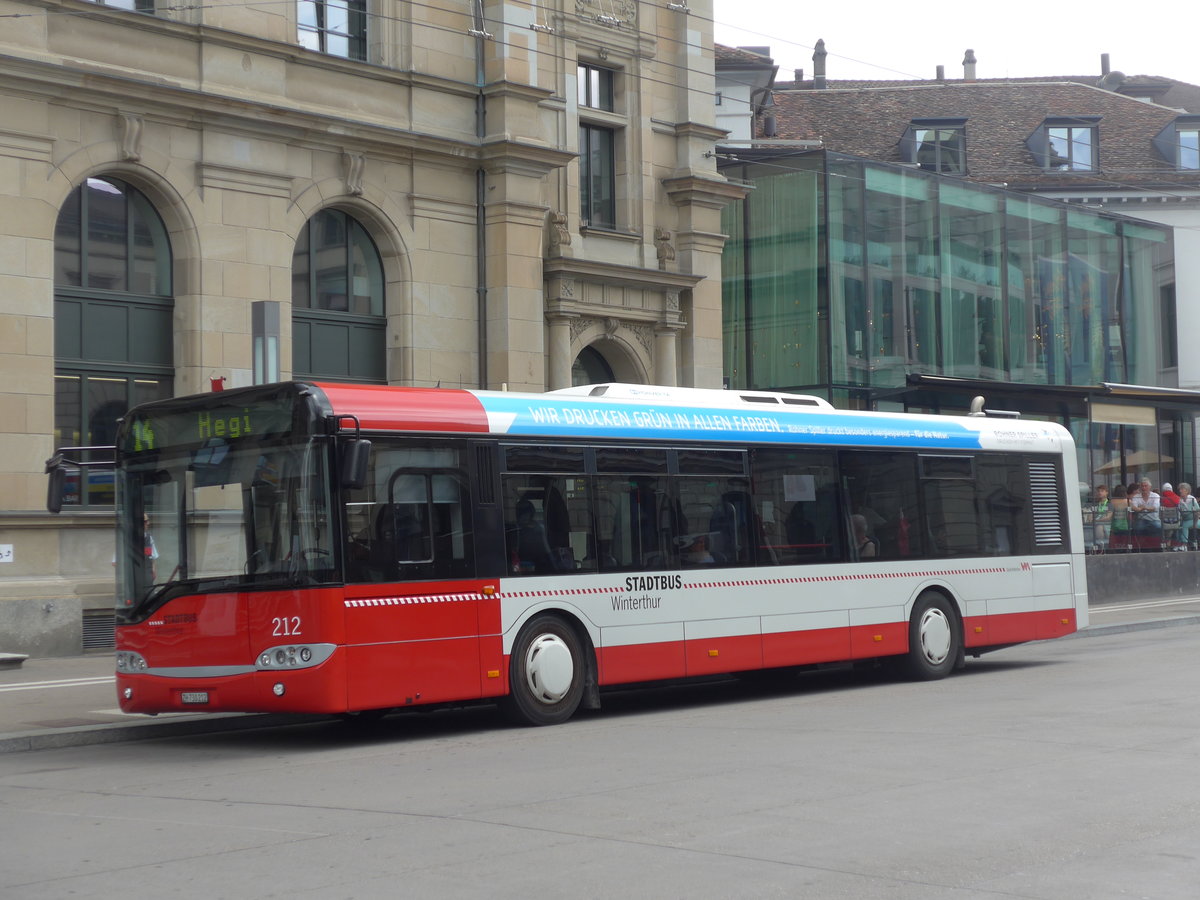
56	482
355	456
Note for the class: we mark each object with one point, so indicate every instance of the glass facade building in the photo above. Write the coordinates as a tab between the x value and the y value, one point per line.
886	287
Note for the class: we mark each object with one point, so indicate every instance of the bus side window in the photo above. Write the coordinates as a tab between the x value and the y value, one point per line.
412	517
882	487
547	523
637	522
795	497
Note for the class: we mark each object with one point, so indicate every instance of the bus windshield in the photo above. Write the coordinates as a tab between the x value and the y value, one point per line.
222	516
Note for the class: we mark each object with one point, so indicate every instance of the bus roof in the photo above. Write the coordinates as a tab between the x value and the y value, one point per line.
677	415
650	393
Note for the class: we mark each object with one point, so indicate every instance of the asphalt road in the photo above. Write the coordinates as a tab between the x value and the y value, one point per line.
1055	770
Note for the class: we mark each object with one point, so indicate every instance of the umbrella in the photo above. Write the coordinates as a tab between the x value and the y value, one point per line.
1135	461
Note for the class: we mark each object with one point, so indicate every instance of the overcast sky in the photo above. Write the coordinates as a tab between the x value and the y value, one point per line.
883	39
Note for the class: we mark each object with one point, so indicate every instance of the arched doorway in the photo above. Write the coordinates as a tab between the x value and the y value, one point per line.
590	367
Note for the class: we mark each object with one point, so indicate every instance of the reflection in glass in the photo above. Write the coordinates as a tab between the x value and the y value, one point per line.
106	236
68	243
1189	149
597	176
1071	149
336	27
931	275
941	150
109	237
337	267
247	511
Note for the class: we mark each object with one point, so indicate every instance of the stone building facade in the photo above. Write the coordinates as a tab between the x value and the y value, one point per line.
466	194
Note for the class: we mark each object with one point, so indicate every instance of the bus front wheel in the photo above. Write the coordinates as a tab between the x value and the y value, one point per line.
546	673
934	638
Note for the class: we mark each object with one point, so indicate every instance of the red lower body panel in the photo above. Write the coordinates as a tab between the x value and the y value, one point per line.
711	656
1017	628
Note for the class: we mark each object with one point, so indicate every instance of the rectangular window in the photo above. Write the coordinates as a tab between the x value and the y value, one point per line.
1189	148
412	519
598	145
539	458
716	521
1168	332
597	176
796	506
1071	148
631	460
941	150
87	408
884	509
336	27
595	87
548	524
637	523
142	6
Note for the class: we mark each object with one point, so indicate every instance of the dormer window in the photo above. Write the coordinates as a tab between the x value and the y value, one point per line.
1072	148
936	145
1066	144
1179	143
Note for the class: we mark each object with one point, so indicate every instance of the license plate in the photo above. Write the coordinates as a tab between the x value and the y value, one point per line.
194	696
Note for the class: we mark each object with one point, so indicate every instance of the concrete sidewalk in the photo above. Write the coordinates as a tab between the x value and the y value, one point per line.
71	701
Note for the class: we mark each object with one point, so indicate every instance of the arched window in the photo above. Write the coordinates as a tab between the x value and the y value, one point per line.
338	321
591	368
113	342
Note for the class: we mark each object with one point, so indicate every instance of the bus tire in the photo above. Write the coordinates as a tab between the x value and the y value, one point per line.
546	673
934	638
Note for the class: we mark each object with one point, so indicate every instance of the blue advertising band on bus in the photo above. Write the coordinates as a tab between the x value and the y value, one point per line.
549	416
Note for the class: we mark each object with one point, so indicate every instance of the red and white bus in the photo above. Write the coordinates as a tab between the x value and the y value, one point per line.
332	548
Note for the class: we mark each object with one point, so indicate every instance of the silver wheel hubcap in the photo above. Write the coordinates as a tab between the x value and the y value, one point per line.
935	636
549	668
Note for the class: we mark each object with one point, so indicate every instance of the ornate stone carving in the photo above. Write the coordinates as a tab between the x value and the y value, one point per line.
352	165
557	233
645	336
613	13
579	326
662	241
672	301
131	137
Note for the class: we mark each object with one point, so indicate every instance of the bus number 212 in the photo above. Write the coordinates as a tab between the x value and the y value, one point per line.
286	626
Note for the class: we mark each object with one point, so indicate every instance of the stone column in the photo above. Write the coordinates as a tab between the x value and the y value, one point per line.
666	339
560	359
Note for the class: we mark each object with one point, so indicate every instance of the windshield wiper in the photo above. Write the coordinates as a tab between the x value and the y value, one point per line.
156	591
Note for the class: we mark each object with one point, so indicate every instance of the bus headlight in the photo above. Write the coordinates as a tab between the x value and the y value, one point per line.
294	656
130	663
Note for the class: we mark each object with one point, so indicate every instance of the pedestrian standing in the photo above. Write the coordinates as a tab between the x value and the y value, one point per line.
1189	509
1101	519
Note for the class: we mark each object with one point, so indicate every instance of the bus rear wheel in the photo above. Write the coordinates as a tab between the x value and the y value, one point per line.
934	638
545	674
